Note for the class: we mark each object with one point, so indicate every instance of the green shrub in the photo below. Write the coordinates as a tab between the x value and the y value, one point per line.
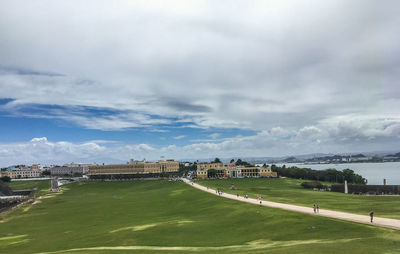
5	179
312	185
4	189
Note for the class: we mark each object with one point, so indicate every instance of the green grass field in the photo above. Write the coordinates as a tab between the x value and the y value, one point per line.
289	191
42	186
172	217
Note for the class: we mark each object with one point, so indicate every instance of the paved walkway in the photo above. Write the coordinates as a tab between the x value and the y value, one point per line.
365	219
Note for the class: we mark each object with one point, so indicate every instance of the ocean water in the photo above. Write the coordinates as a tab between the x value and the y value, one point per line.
373	172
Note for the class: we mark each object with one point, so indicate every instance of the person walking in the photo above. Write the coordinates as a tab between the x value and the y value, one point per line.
317	208
314	208
371	214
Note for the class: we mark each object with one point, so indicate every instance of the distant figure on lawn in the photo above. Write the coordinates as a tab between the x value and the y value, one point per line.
317	208
314	208
371	214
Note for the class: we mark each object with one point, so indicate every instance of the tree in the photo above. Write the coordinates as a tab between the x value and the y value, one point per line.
232	161
217	160
298	173
46	173
239	162
211	173
5	189
5	179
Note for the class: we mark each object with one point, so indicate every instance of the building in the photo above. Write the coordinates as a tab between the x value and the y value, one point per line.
231	171
212	165
135	167
68	170
73	164
36	167
26	173
21	173
202	169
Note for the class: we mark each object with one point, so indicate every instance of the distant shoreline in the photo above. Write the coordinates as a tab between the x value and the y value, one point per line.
322	163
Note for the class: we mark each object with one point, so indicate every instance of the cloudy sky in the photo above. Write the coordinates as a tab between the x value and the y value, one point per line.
107	81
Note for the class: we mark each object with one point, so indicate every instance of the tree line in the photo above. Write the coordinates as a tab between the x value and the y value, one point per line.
327	175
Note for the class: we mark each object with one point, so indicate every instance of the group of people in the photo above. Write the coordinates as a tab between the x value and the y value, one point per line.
260	197
316	208
245	195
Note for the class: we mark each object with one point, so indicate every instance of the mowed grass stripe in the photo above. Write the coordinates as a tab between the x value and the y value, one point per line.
251	246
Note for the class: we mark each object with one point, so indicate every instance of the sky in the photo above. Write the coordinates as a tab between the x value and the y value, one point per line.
109	81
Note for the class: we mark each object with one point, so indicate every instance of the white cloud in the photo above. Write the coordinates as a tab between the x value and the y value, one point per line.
40	150
179	137
215	68
294	79
214	135
309	139
309	132
43	139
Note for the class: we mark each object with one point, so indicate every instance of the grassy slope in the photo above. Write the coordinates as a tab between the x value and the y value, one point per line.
161	214
289	191
43	186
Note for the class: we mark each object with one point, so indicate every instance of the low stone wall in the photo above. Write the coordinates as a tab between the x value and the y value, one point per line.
24	192
368	189
19	196
7	203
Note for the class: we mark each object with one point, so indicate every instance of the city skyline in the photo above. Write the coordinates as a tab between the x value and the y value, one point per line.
101	82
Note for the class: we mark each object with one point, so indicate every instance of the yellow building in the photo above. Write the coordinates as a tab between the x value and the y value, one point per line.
21	173
135	167
231	171
5	173
202	173
210	165
267	172
249	172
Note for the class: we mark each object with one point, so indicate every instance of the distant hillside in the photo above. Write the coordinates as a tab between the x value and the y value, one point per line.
301	158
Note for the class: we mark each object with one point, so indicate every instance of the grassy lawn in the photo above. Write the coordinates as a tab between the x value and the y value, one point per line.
42	186
289	191
172	217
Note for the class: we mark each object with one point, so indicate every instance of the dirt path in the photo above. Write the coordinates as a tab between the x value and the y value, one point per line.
365	219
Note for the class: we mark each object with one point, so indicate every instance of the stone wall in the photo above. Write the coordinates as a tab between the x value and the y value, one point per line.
368	189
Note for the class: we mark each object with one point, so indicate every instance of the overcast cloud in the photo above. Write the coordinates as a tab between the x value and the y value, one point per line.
305	76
